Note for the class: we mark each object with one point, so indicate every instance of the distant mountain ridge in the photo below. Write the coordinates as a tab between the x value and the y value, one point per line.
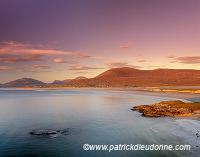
129	77
24	82
121	77
59	82
29	82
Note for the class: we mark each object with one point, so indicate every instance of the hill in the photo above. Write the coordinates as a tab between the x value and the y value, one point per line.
24	82
59	82
129	77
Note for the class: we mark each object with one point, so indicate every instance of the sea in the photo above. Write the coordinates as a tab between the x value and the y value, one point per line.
91	117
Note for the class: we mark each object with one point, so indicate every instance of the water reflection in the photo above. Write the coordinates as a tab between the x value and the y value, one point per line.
99	117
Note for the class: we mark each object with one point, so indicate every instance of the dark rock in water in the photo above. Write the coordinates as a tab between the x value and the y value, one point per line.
198	134
49	132
36	133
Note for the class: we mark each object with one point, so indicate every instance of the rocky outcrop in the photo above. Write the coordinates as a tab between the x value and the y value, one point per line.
161	110
49	132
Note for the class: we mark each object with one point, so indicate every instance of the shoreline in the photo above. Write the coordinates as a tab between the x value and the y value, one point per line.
191	97
185	97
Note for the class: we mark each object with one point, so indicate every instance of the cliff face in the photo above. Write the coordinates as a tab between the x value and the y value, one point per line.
133	77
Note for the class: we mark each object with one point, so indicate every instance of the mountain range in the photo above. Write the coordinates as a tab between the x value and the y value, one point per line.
59	82
130	77
22	82
29	82
121	77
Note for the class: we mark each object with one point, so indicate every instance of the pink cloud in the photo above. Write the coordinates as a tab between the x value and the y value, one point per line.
82	72
142	60
171	56
141	54
121	50
12	52
185	59
12	44
18	48
85	55
121	64
126	45
37	67
59	60
81	55
20	68
32	71
173	61
97	57
81	67
14	58
7	67
188	59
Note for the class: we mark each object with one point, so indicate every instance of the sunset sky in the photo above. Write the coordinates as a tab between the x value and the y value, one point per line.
60	39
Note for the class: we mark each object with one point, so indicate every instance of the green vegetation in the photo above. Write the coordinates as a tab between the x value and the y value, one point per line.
180	104
175	90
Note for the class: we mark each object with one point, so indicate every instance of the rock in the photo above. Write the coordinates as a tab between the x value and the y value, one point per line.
161	110
36	133
198	134
49	132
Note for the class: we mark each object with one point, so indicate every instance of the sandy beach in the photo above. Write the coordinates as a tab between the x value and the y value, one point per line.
192	97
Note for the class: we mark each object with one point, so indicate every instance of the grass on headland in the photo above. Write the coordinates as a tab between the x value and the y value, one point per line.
179	104
175	90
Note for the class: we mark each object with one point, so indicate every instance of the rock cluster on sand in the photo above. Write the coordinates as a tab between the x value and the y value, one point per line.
161	110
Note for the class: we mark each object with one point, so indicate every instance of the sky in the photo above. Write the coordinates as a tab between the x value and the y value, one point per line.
61	39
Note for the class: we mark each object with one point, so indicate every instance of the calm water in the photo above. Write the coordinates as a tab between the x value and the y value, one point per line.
95	117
